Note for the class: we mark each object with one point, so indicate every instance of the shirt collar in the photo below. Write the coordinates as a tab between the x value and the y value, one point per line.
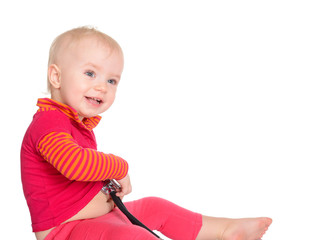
50	104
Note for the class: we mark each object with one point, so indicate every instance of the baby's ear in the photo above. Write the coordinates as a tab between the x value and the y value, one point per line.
54	76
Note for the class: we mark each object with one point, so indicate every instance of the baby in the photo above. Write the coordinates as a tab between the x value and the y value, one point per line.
63	173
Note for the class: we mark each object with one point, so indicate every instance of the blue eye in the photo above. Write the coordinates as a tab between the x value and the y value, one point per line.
90	74
112	81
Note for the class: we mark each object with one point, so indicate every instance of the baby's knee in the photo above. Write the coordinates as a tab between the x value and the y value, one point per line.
158	205
156	201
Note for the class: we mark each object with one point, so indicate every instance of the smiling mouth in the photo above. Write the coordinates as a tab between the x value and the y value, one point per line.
95	101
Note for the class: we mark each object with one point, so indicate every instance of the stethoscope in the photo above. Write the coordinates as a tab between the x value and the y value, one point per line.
112	187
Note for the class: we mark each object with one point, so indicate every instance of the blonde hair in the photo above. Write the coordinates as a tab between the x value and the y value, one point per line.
73	36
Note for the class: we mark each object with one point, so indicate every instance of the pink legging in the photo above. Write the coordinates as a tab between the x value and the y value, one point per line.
156	213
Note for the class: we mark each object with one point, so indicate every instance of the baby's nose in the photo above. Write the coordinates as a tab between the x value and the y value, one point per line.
101	87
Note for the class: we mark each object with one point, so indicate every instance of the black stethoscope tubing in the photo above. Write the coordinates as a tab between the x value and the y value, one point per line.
114	187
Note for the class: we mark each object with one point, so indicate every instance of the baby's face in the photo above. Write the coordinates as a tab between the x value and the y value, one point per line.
89	75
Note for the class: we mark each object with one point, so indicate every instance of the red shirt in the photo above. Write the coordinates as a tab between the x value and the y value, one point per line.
61	169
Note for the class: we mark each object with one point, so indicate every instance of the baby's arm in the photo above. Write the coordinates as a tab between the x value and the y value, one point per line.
80	164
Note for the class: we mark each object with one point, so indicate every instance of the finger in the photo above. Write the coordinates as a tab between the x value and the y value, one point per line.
120	194
125	191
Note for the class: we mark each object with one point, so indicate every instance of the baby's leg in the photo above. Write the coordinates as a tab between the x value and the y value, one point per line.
233	229
178	223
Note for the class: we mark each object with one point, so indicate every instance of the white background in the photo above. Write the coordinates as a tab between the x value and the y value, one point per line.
225	107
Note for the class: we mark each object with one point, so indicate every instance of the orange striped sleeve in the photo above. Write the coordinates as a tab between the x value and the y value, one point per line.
78	163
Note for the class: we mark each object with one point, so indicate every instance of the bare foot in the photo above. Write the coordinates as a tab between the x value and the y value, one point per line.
246	229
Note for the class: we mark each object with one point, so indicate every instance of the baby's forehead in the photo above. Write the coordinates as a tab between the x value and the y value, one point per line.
85	51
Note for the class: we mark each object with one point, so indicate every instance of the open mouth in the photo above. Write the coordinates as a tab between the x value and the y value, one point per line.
95	101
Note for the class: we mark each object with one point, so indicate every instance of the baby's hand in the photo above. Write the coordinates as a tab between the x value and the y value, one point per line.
126	187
